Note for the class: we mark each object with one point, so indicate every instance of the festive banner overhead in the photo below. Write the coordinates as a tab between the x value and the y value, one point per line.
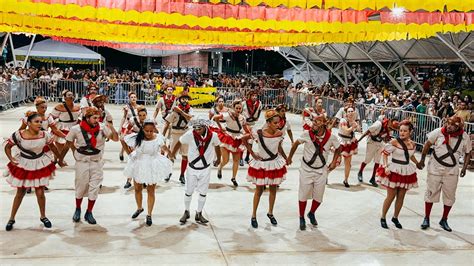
153	24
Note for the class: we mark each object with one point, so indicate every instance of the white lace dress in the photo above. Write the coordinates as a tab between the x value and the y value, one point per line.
146	164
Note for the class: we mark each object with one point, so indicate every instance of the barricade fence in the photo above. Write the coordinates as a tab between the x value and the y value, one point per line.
16	92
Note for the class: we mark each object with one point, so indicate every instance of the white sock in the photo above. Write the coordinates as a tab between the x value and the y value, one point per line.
187	201
201	201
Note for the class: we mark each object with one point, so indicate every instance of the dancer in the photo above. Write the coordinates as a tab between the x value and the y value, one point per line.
400	175
165	103
318	143
47	122
86	101
178	119
379	132
217	109
310	113
268	168
88	138
67	115
231	138
129	114
347	128
146	164
134	126
203	147
284	126
449	143
252	108
31	166
99	102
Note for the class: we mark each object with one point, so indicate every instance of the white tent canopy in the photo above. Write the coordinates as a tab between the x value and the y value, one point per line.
152	52
50	50
305	72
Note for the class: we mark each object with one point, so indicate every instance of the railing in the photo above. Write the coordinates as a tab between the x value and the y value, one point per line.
270	98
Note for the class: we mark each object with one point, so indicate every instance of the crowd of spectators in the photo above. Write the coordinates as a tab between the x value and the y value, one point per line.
436	97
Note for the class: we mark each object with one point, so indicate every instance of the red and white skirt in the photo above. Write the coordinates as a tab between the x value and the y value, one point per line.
230	143
267	173
31	173
401	176
349	148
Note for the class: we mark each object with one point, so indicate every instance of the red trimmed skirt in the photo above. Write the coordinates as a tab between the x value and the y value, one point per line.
349	149
22	174
263	173
395	180
228	140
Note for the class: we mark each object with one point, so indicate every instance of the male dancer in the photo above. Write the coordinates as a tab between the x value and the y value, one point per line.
314	170
380	133
449	143
179	118
99	101
252	108
88	138
203	146
165	103
86	101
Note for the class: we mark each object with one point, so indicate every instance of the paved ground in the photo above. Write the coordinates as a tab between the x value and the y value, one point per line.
349	230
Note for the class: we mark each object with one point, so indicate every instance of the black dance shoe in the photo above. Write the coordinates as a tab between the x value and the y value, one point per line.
136	213
312	218
121	158
46	222
10	224
396	223
77	215
127	185
272	219
302	224
200	219
185	217
444	225
168	178
346	184
373	182
182	180
89	218
219	174
426	223
383	223
360	177
241	162
234	182
149	222
254	222
28	190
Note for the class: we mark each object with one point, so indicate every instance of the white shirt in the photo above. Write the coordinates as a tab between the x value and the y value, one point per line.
309	149
193	151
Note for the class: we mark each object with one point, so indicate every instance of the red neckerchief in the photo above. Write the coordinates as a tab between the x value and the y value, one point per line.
307	112
321	144
169	102
184	108
252	107
202	141
282	123
444	131
91	130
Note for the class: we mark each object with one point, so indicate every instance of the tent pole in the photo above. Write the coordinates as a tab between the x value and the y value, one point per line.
4	42
29	50
13	49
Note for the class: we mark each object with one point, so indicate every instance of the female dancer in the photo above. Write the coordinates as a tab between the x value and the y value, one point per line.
31	166
218	109
129	114
67	115
146	164
347	128
133	128
268	168
47	121
400	175
231	138
284	125
310	112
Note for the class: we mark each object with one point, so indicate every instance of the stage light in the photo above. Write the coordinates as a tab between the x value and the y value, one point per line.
398	12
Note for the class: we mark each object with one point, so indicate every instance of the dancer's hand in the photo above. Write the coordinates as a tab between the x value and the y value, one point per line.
62	164
14	161
256	156
387	172
171	157
463	172
420	165
289	161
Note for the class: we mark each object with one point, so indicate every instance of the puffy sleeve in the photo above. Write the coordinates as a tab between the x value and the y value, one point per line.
375	127
343	122
433	135
51	121
467	143
55	113
48	137
388	149
160	139
10	139
130	140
